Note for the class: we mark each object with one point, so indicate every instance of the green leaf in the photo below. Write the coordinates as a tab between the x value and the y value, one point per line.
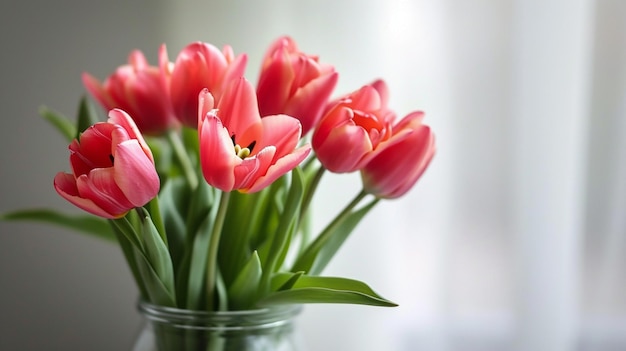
245	287
60	122
315	289
86	224
157	292
86	116
157	253
198	264
173	199
321	251
285	281
279	244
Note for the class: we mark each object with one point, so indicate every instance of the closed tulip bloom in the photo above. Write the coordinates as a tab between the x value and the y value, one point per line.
352	129
139	89
112	169
239	150
294	83
400	161
201	65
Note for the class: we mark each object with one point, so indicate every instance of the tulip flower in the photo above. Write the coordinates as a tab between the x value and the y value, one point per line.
239	150
400	161
352	129
139	89
198	66
294	83
112	169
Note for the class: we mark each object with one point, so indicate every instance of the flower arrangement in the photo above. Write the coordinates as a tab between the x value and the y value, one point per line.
205	181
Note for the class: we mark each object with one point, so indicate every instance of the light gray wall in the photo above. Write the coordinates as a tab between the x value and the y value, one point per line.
59	290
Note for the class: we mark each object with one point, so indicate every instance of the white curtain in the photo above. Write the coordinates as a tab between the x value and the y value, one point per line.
514	239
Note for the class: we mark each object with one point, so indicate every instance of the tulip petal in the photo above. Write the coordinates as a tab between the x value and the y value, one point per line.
252	168
95	88
309	101
282	131
99	186
65	185
235	70
120	117
205	104
135	174
345	149
239	112
275	83
278	169
397	167
93	150
217	155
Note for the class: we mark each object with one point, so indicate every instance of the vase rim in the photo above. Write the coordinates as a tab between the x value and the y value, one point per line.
261	318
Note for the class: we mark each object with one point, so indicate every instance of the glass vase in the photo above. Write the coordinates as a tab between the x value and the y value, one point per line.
172	329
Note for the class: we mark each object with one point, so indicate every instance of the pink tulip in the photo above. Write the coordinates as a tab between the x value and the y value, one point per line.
199	66
353	128
294	83
139	89
112	169
239	150
401	160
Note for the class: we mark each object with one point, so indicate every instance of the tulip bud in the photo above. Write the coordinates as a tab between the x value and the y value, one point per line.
199	66
294	83
139	89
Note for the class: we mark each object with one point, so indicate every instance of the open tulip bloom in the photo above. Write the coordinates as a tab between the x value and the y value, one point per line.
206	181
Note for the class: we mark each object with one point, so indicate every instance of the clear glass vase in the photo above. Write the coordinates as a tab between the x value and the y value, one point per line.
172	329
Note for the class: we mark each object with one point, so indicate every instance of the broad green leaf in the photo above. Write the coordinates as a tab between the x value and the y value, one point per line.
60	122
315	258
157	255
86	224
87	116
156	291
173	212
285	281
198	264
283	233
235	249
125	227
315	289
245	287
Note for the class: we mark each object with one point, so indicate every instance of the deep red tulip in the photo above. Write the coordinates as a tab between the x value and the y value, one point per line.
294	83
239	150
400	161
112	169
199	66
139	89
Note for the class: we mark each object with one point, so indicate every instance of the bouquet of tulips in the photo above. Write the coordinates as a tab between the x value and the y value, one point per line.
206	181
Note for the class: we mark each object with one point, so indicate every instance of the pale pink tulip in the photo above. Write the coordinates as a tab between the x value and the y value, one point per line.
198	66
294	83
351	130
401	160
112	169
139	89
239	150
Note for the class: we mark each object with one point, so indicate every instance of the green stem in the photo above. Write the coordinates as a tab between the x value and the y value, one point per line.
183	158
214	246
299	265
346	211
310	191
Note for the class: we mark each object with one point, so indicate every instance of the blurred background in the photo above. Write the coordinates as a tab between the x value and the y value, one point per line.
514	239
